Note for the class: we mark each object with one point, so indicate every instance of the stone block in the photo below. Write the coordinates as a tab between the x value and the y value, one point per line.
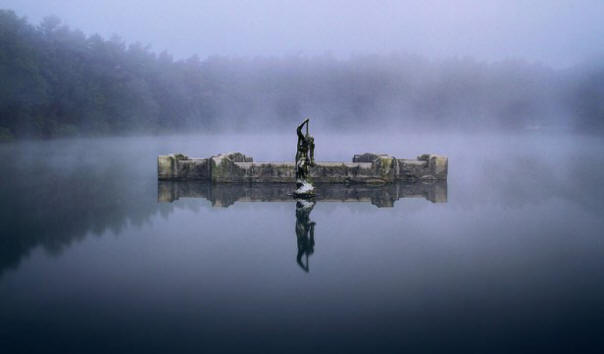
366	157
365	168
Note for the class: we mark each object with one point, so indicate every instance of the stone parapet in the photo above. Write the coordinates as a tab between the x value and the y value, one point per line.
239	168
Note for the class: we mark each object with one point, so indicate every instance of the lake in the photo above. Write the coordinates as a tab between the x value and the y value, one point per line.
507	256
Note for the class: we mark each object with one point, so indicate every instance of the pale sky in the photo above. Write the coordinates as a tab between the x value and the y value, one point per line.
556	33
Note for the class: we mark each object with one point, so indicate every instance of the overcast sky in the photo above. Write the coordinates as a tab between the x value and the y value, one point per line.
557	33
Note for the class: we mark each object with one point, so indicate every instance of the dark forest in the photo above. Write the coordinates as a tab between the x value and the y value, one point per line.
58	82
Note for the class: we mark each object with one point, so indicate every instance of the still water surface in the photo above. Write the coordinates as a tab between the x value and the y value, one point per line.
507	256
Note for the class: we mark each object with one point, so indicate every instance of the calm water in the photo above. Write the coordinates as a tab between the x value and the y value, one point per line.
507	256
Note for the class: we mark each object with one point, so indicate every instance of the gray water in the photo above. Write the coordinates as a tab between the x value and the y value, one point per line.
506	256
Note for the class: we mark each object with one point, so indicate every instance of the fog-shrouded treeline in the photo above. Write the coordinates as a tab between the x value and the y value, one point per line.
55	81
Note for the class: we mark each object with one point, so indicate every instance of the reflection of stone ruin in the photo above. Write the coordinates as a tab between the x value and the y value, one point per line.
365	168
226	194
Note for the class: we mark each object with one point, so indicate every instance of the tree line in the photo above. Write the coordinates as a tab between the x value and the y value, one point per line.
57	81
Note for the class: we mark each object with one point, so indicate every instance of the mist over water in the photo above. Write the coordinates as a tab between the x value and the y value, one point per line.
98	256
513	255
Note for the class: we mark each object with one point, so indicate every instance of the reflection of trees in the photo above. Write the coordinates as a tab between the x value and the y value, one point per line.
305	232
51	203
57	193
53	193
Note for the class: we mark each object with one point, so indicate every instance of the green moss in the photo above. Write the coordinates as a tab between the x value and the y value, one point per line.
223	169
384	166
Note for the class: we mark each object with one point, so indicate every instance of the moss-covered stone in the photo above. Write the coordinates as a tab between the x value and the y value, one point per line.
366	157
384	166
165	167
223	168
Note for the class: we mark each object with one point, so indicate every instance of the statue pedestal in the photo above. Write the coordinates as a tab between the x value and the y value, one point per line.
304	190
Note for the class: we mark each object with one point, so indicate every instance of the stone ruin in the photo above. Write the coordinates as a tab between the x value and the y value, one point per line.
236	167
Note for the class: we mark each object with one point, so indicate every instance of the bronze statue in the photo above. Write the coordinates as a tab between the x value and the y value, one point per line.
305	158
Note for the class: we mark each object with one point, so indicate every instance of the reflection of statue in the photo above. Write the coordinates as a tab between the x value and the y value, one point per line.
305	231
305	158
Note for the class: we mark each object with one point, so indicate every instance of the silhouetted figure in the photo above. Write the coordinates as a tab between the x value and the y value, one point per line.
305	232
305	158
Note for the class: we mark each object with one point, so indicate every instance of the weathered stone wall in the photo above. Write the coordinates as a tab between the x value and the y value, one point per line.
426	167
365	168
180	167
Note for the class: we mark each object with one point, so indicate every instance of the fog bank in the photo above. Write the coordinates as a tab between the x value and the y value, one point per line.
61	82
